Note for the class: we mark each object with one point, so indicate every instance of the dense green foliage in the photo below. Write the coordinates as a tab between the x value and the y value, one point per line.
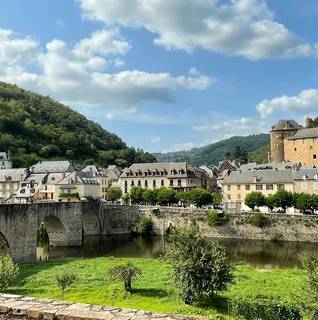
254	199
213	153
201	268
65	280
263	308
113	194
258	220
200	197
8	271
125	273
143	227
34	127
260	155
69	195
308	296
154	290
215	219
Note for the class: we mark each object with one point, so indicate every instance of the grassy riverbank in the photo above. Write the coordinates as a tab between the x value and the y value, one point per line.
153	291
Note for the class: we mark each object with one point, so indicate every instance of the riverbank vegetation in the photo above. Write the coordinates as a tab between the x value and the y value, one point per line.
154	290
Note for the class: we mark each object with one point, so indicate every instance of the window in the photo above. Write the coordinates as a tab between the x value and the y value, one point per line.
162	183
126	183
139	183
295	149
239	197
132	183
146	183
179	183
247	187
269	187
171	183
280	187
238	187
259	187
310	147
154	183
314	156
228	188
126	190
229	197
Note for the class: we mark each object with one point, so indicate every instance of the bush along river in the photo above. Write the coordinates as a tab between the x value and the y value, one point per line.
255	253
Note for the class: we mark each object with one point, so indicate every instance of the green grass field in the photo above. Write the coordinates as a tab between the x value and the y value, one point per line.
153	291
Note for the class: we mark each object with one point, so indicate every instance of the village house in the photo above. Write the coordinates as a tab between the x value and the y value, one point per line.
178	176
10	180
5	162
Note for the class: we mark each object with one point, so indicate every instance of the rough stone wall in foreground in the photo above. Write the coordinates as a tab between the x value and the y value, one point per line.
13	307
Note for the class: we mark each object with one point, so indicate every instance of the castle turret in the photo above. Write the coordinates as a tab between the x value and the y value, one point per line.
281	130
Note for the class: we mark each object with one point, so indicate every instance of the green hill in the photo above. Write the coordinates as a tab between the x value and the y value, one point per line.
213	153
34	127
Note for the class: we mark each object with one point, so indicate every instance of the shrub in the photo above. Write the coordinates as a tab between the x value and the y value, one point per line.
275	236
42	236
126	273
69	195
166	196
215	219
143	227
149	196
65	280
136	195
308	297
201	268
263	308
258	220
126	198
8	272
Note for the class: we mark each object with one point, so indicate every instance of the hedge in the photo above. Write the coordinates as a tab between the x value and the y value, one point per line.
262	308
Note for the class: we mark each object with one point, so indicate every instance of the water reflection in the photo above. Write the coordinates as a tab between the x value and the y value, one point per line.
259	254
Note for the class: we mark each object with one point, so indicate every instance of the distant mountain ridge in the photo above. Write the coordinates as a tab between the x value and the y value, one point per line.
34	127
213	153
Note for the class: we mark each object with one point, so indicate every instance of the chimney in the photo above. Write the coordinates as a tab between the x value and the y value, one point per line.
309	122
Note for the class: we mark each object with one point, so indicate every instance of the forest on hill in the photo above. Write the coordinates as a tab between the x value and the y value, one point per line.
254	147
34	127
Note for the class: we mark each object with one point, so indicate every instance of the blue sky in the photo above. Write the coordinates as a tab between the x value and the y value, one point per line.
167	76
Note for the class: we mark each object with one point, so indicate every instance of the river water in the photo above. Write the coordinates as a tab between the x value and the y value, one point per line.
258	254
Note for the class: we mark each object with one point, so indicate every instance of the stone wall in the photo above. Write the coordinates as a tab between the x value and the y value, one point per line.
285	227
14	307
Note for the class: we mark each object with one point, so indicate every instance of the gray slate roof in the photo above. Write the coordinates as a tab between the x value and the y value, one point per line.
305	133
3	156
262	176
13	174
53	166
306	174
286	125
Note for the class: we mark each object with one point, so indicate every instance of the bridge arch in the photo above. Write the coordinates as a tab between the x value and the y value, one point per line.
4	245
56	231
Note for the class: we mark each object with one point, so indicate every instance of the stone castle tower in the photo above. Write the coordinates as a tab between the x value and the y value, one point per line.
281	130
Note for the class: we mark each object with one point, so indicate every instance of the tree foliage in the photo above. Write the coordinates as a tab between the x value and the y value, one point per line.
126	273
166	196
113	194
200	197
254	199
201	268
34	127
65	280
8	271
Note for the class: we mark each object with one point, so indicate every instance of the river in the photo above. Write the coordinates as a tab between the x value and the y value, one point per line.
258	254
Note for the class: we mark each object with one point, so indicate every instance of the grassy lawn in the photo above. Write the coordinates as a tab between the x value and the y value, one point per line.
153	291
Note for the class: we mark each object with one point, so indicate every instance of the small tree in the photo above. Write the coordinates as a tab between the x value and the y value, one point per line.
126	273
65	280
200	197
166	196
308	297
201	268
113	194
149	196
217	199
303	201
126	198
254	199
144	226
136	195
283	199
270	202
182	197
8	271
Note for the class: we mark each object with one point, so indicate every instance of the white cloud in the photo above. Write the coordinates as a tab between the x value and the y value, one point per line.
155	139
78	74
233	127
305	101
241	27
